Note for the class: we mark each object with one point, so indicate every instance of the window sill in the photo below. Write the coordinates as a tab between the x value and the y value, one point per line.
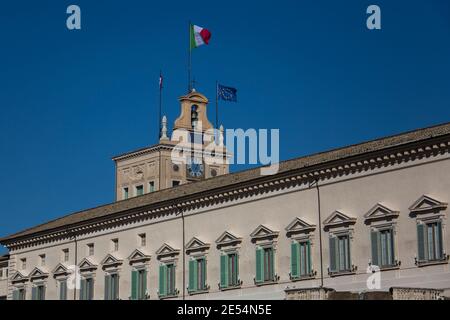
266	283
302	278
341	273
431	262
169	296
193	293
238	286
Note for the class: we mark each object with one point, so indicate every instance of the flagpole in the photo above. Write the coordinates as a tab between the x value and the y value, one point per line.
217	105
160	101
189	59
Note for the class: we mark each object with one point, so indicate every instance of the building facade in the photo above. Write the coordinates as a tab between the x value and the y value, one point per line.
373	211
4	277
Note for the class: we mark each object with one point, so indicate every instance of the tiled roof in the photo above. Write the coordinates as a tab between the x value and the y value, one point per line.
234	178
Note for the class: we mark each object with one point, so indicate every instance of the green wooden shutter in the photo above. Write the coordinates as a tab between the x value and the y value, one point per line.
392	247
63	290
224	271
134	284
16	294
272	263
82	289
162	280
33	293
193	275
375	239
117	287
236	270
294	259
308	257
144	289
333	254
259	265
203	273
440	250
108	287
42	297
421	242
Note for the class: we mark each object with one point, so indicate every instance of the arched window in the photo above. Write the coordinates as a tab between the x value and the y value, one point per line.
194	116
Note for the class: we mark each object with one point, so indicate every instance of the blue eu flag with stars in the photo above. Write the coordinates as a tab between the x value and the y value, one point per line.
226	93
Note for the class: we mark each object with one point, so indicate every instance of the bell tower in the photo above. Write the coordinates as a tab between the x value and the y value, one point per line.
193	152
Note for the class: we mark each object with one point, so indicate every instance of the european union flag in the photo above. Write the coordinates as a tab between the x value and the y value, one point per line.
226	93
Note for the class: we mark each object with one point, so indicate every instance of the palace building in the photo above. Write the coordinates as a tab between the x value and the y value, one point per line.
370	217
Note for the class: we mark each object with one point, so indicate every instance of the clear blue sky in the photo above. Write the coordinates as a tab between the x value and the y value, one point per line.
70	100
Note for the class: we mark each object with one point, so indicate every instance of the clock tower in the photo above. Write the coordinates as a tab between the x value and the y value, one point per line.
194	151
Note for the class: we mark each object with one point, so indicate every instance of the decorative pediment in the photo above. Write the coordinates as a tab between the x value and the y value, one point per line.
18	277
138	256
86	265
60	269
337	219
165	250
427	204
38	274
227	239
263	233
196	244
380	212
110	261
299	226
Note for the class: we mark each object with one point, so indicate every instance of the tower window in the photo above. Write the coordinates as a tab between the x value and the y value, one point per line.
125	193
176	183
151	186
24	263
194	116
139	190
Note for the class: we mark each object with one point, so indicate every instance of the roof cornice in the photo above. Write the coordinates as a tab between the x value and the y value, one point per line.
239	188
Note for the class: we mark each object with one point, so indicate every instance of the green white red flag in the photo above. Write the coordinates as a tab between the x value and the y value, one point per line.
199	36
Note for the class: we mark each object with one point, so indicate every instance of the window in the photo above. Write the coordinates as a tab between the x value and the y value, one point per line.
264	265
138	284
115	244
65	255
194	116
167	280
139	190
125	193
4	273
175	183
229	270
383	254
86	289
300	259
42	258
151	186
19	294
429	239
38	292
63	289
142	239
23	263
112	286
90	248
197	274
340	254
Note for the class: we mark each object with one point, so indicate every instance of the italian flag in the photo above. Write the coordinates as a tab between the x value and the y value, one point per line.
199	36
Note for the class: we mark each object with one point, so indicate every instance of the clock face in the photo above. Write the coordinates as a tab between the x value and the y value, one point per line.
195	170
